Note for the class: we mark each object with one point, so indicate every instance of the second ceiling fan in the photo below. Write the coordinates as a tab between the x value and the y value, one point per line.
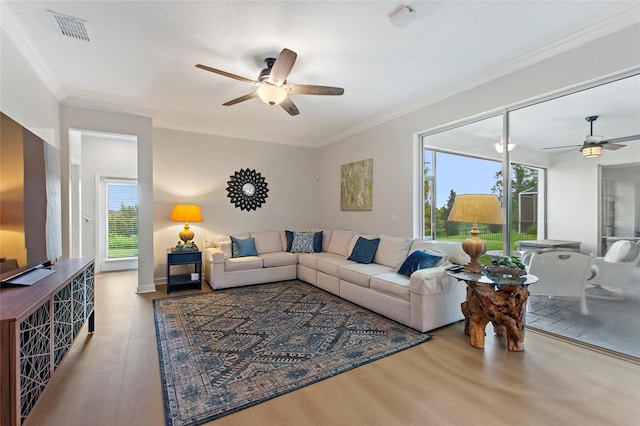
594	144
272	87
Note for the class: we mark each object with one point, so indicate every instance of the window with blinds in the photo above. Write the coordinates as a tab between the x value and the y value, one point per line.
122	219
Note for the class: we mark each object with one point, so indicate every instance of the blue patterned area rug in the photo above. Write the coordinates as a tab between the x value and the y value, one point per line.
227	350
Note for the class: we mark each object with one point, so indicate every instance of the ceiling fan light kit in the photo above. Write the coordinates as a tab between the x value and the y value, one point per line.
500	146
270	94
591	151
272	87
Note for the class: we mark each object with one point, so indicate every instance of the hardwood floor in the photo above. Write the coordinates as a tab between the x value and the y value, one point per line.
112	378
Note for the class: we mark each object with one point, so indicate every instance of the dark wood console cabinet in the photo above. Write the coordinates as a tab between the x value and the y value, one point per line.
38	325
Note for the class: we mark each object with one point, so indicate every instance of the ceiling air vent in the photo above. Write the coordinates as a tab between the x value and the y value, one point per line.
70	26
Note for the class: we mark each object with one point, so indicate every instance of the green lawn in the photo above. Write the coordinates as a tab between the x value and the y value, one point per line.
494	242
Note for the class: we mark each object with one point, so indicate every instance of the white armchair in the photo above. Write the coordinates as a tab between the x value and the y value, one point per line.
611	274
560	273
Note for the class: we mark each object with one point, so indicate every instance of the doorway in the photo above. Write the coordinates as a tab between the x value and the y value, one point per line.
99	157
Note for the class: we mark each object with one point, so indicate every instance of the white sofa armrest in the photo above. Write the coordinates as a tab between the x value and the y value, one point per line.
431	281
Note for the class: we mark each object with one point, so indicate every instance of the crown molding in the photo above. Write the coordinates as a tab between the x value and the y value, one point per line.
171	125
607	26
108	107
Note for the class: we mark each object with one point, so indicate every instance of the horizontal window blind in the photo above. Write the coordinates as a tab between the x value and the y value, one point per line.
122	220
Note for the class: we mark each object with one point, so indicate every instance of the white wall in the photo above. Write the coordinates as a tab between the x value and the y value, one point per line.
194	168
25	98
392	144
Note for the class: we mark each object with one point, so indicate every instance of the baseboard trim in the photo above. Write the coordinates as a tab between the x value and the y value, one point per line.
149	288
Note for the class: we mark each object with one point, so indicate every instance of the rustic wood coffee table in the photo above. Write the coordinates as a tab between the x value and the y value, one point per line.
499	300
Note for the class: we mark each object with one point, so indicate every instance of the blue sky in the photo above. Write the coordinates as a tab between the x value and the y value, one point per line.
464	175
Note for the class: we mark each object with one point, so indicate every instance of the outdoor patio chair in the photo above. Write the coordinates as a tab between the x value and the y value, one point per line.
560	273
614	270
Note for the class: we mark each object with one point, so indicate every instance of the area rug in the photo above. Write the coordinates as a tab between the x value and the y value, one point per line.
227	350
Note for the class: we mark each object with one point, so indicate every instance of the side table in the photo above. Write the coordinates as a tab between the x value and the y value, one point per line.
500	301
180	281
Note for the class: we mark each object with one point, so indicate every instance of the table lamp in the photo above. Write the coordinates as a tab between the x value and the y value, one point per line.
476	208
186	213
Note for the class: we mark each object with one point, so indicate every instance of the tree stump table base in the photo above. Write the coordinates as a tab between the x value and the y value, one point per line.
503	307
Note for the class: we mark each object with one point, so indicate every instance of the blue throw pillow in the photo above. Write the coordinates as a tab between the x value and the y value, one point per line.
418	260
364	250
289	235
243	248
317	242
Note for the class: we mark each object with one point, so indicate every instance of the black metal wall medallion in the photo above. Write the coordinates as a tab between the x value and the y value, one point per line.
247	189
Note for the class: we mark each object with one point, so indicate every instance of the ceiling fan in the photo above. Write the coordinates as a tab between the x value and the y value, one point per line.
593	144
272	87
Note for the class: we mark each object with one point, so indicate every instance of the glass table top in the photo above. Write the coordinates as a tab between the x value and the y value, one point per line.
483	278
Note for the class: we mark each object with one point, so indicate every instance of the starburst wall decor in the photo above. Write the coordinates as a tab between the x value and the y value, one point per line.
247	189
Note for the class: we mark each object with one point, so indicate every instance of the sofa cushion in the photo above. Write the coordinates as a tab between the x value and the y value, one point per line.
453	250
225	246
340	241
302	242
278	258
267	242
310	260
214	240
364	250
359	273
243	247
329	264
242	263
391	283
419	260
392	251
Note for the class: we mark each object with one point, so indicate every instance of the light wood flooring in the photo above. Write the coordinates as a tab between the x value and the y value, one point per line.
112	378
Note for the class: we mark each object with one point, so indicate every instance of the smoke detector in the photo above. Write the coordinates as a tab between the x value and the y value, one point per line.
70	26
402	16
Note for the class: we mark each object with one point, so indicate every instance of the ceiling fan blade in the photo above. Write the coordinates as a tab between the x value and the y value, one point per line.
282	67
241	99
613	146
622	139
289	106
560	147
309	89
226	74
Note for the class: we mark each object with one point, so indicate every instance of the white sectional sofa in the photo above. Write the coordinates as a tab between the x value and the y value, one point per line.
426	300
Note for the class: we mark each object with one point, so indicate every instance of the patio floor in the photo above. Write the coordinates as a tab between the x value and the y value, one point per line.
611	324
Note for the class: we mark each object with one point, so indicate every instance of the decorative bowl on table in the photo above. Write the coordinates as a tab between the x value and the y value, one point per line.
506	268
503	271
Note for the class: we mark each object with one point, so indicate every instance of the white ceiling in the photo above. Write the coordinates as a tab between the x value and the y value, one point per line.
141	56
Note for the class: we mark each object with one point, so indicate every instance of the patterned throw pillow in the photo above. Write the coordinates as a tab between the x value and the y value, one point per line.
419	260
302	242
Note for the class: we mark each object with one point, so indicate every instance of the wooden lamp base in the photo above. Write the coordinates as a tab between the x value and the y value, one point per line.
474	247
